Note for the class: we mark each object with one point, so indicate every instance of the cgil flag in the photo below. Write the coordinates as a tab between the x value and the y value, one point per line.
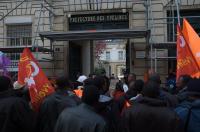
192	39
186	63
31	74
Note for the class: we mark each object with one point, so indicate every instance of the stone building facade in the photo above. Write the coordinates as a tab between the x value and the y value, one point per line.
35	16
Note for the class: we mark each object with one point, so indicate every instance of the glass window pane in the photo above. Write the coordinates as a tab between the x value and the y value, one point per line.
107	55
18	35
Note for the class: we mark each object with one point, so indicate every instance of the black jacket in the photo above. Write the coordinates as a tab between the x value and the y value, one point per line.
15	114
80	119
182	95
110	111
150	115
52	106
170	99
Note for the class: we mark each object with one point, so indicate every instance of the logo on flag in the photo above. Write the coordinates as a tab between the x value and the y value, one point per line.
192	38
186	63
182	41
31	74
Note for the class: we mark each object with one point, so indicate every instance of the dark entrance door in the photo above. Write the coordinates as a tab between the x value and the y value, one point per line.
92	22
75	62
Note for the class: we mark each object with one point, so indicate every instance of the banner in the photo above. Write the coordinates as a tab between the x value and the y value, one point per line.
192	38
31	74
186	63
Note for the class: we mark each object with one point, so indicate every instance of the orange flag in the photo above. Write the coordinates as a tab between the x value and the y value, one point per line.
186	63
192	39
31	74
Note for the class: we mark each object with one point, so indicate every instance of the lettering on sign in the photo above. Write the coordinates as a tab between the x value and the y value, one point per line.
96	18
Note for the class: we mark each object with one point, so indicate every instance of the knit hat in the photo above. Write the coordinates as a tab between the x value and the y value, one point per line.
17	86
82	78
193	86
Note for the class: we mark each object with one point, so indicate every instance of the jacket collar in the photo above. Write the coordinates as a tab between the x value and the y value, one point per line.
86	106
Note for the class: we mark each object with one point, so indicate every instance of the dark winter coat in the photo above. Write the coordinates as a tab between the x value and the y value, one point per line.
189	112
150	115
182	95
82	118
52	106
170	99
15	114
110	111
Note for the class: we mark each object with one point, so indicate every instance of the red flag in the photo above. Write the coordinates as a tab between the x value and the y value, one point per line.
186	63
31	74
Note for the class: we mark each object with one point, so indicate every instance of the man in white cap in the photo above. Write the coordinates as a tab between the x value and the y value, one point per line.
82	78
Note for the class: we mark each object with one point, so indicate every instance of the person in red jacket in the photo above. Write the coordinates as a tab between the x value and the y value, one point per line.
119	91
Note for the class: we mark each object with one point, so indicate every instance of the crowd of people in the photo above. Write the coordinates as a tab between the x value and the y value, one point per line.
88	105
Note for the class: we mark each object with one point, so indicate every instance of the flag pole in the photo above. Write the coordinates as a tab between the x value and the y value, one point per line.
178	12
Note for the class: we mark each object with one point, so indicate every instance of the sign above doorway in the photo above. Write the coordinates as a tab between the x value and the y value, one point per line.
99	21
98	18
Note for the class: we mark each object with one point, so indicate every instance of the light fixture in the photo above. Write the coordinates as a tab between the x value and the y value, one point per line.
123	10
69	15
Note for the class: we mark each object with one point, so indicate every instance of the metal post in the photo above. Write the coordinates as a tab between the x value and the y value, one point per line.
43	12
173	28
155	57
34	43
178	12
147	14
151	56
130	56
97	4
37	25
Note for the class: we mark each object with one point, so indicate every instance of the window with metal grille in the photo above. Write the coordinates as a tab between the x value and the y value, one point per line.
18	35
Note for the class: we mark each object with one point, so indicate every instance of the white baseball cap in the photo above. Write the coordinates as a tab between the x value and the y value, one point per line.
82	78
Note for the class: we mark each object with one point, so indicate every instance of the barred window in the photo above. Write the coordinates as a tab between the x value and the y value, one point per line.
19	35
